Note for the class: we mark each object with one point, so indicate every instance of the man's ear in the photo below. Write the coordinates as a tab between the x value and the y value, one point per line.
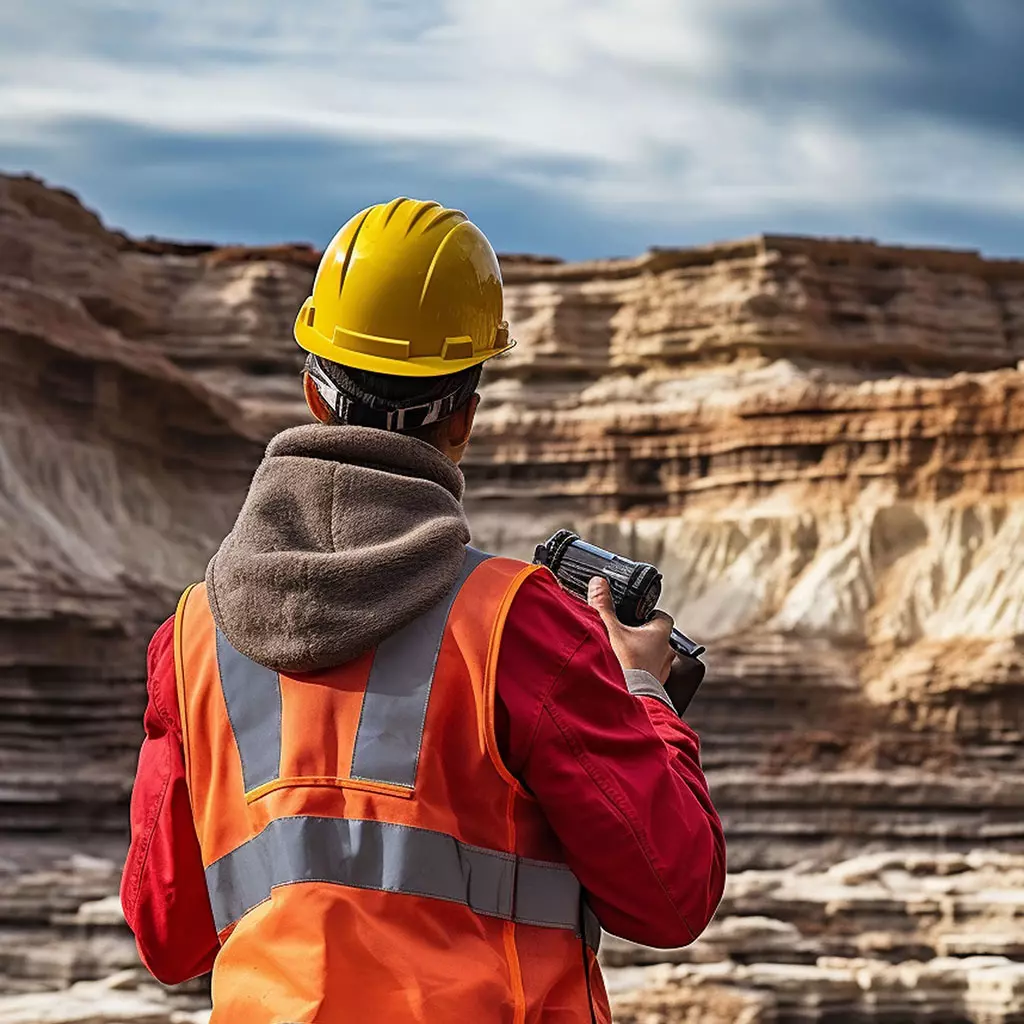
316	404
460	426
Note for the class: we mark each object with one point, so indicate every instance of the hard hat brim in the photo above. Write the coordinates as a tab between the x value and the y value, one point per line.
311	340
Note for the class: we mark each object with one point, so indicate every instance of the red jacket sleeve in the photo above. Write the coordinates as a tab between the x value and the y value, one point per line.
163	888
618	776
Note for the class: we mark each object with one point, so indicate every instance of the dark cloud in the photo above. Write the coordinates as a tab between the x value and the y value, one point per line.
963	60
874	70
957	61
272	188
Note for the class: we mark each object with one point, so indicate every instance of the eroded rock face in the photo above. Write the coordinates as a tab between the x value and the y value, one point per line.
819	442
820	445
118	474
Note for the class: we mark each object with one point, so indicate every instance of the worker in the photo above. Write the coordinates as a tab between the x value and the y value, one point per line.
387	776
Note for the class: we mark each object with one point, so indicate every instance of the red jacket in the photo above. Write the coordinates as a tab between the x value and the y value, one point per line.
618	777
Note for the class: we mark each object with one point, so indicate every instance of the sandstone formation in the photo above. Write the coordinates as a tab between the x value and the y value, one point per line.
118	473
891	937
119	999
819	441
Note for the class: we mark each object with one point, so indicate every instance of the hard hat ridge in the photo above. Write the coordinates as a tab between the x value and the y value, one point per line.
409	288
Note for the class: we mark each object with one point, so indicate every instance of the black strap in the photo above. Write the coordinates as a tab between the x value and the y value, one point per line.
353	406
588	924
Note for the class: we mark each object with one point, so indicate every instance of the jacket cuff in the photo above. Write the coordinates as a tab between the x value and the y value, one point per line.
641	683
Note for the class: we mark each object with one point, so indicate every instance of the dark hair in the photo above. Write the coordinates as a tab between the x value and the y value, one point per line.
368	390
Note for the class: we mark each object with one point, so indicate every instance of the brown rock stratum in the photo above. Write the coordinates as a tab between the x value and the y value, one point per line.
820	443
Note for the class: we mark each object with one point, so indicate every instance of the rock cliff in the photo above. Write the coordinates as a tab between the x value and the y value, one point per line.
819	441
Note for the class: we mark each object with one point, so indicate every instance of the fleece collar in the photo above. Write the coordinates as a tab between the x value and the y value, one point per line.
347	534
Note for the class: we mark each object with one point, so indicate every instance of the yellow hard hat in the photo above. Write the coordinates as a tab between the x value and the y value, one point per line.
407	288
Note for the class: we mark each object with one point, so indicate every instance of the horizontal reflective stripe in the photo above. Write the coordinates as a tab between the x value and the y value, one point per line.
546	894
391	858
252	697
390	733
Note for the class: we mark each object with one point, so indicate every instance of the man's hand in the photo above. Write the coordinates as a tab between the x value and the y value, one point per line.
644	647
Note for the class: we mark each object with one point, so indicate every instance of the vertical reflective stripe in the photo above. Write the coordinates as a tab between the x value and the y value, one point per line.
390	733
387	857
252	695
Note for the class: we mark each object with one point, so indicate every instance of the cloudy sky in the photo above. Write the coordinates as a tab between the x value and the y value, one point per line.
571	127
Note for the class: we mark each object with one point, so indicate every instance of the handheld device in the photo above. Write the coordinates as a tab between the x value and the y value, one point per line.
635	587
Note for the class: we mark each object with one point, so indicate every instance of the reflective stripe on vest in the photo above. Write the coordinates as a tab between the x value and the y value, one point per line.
252	697
390	733
393	858
369	854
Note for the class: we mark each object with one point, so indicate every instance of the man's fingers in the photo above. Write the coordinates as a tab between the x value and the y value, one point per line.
598	591
660	616
599	597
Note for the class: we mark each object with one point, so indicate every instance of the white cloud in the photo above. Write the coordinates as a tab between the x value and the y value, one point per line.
656	107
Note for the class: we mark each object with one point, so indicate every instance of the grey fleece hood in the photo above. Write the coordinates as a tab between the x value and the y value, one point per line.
347	534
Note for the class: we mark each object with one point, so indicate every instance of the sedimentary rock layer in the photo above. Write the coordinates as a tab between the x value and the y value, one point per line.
118	474
820	443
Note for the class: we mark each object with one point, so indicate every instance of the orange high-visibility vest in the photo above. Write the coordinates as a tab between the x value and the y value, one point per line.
368	856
